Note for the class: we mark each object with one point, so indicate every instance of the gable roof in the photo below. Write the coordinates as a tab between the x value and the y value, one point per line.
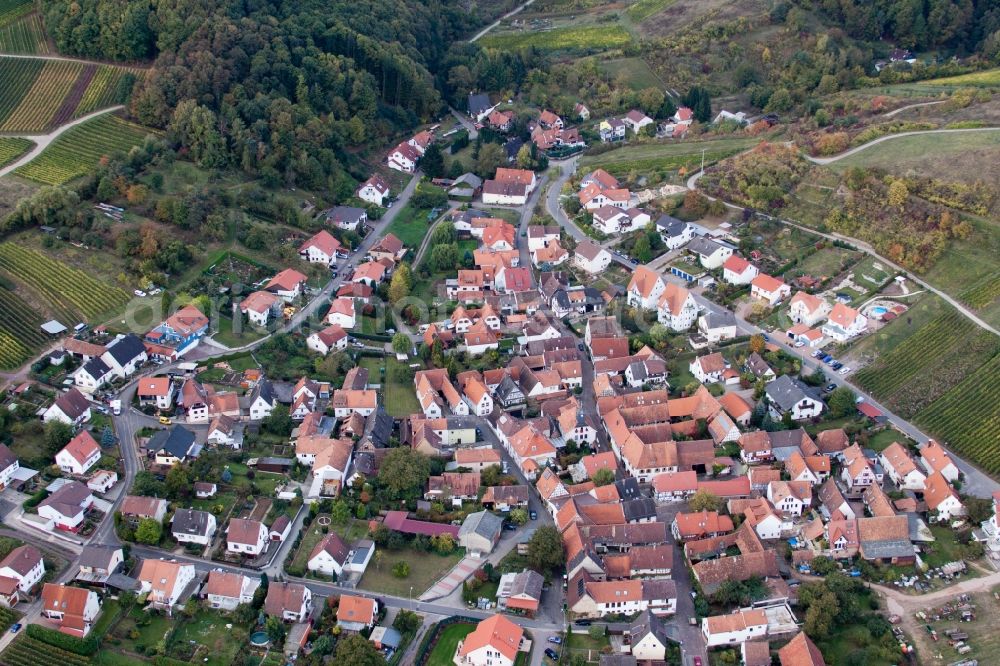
356	609
496	632
82	447
284	596
72	403
801	651
191	521
126	348
22	559
333	546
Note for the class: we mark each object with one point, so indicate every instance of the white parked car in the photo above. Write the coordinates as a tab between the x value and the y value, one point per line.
139	292
844	370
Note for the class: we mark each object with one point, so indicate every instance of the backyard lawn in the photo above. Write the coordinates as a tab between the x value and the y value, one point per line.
410	226
583	644
425	570
226	336
444	650
400	397
208	629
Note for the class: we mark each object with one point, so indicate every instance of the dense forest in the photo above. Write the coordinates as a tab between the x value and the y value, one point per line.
965	26
282	90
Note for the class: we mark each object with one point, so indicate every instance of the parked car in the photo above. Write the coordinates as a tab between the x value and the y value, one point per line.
551	654
16	628
583	623
555	639
800	344
844	370
836	365
139	292
533	515
829	388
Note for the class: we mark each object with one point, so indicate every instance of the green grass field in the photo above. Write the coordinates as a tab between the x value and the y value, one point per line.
986	79
666	156
922	153
634	71
587	38
425	570
78	150
644	9
399	398
11	149
447	643
410	226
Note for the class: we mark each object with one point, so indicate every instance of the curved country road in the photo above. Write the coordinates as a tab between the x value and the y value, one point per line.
889	137
42	141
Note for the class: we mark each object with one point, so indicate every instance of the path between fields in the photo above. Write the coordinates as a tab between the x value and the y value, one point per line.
888	137
692	184
500	20
25	56
892	113
42	141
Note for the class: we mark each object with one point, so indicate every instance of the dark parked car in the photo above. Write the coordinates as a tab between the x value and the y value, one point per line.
829	388
583	623
551	654
533	515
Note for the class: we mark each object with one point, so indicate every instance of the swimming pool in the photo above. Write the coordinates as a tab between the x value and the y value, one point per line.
878	310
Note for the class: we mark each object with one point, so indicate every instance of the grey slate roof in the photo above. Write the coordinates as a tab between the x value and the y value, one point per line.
177	441
786	392
190	521
647	623
720	319
126	349
483	523
703	246
478	102
97	557
96	368
628	488
671	226
528	583
639	509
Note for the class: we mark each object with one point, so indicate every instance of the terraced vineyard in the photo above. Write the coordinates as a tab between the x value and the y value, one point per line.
70	293
24	35
38	95
109	87
968	416
979	295
929	363
26	651
44	98
78	150
12	10
17	75
11	149
20	335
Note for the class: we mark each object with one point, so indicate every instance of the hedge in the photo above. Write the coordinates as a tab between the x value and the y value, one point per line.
430	638
35	499
371	336
86	647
